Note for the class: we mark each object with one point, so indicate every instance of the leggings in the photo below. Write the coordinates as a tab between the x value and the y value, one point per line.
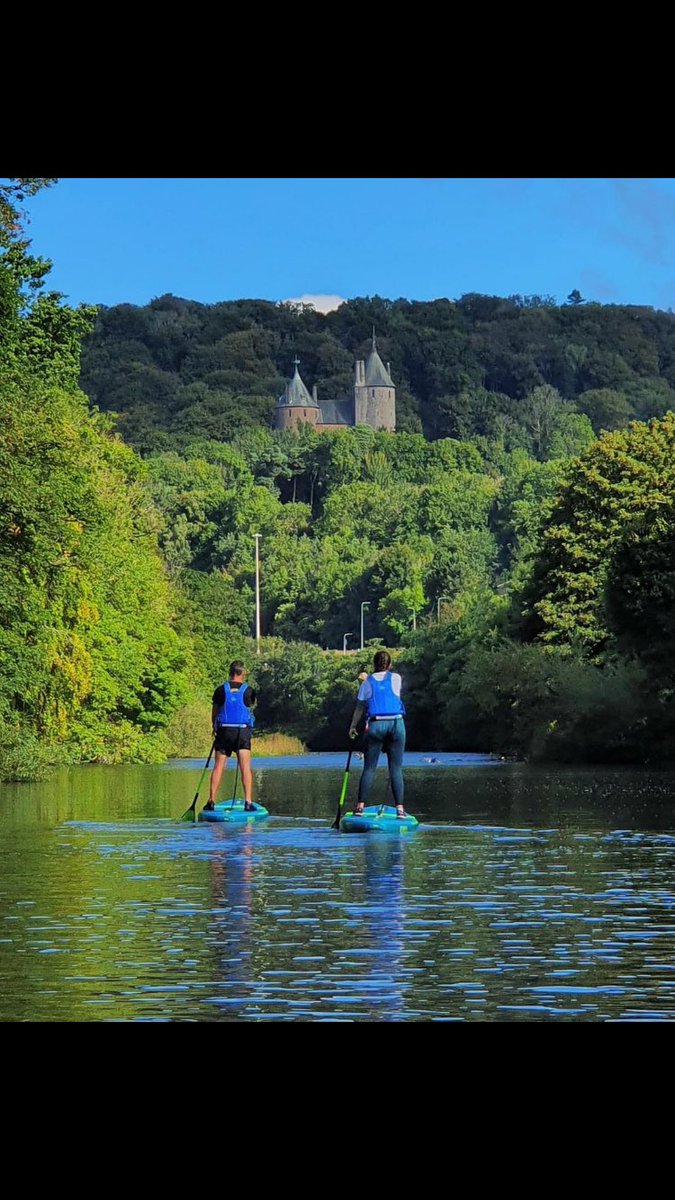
390	737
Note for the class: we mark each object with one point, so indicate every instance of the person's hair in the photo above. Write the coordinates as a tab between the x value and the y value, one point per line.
382	661
236	668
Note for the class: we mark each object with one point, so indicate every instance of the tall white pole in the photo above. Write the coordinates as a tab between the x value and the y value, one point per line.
257	593
365	604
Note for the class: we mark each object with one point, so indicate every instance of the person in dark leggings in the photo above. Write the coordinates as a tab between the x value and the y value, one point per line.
380	700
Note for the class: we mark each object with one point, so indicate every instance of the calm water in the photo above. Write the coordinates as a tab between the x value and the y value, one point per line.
527	894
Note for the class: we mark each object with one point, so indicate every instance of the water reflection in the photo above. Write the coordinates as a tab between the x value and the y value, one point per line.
376	920
526	895
231	908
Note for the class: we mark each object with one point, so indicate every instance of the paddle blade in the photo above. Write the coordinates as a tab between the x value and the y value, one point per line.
190	814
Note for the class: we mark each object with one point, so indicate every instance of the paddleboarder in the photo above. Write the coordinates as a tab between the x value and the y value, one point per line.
233	720
379	699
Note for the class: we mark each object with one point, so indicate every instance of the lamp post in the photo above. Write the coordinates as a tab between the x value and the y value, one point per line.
438	607
365	604
344	642
257	592
414	615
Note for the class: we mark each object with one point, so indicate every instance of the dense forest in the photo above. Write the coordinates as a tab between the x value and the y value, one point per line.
176	370
514	543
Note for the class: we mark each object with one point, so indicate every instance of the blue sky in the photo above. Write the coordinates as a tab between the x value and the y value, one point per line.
128	240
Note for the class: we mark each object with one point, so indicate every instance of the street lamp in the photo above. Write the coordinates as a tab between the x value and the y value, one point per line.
344	642
365	604
438	607
257	592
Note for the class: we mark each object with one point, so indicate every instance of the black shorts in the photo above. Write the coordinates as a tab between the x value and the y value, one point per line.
227	739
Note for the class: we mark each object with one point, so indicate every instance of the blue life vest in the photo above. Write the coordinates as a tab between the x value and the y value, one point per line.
383	702
233	712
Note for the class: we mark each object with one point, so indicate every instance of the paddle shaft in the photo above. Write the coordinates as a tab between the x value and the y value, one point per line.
343	792
191	809
206	767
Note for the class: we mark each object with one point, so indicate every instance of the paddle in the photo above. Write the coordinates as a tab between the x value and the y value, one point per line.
343	793
189	814
345	781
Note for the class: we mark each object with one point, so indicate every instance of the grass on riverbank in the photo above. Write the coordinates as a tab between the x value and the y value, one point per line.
272	744
188	733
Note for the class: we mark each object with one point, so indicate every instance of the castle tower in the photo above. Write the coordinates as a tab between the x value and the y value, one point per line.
296	405
374	393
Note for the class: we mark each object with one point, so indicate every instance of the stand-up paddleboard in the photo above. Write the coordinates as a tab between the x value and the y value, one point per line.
236	814
374	817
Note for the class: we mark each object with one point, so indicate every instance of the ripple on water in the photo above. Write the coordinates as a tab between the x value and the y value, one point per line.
151	919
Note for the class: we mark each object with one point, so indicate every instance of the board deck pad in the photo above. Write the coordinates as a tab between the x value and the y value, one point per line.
374	817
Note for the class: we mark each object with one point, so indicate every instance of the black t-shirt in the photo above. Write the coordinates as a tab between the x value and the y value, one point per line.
219	695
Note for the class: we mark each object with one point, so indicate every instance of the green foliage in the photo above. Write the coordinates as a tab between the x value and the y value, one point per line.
605	408
623	478
469	686
519	370
640	591
38	333
537	564
88	655
189	731
306	691
214	616
23	755
541	705
193	500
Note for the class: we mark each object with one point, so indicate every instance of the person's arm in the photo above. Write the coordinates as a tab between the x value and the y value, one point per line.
360	709
400	696
250	697
217	701
357	716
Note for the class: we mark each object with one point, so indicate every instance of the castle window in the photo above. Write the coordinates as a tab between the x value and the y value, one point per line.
372	391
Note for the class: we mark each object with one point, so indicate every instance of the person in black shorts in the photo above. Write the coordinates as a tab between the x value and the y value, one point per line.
233	720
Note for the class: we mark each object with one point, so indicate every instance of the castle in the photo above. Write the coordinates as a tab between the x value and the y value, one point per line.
372	402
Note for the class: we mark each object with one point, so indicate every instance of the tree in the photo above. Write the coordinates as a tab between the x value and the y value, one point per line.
11	195
37	332
618	481
640	589
89	659
88	654
605	408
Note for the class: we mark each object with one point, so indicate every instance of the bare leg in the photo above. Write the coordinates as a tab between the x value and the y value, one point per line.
216	775
246	774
